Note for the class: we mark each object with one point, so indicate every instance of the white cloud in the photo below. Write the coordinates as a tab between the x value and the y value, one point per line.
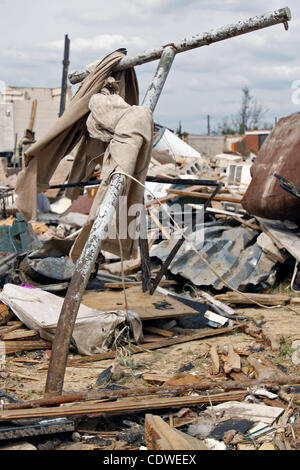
103	42
201	82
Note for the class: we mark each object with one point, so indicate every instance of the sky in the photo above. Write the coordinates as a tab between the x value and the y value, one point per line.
208	80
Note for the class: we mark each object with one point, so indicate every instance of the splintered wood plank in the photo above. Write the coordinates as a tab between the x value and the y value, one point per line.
254	412
218	197
161	436
139	302
156	378
266	299
233	360
164	343
121	406
9	329
215	366
18	346
19	334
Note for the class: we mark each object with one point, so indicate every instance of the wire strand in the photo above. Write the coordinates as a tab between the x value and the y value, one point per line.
203	259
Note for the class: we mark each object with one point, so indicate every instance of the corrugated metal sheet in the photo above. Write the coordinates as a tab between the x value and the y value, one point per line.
233	253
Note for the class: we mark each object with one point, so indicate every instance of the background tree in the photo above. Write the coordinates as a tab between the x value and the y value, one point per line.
249	115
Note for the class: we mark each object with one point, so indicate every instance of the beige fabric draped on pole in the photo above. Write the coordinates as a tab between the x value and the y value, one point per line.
117	134
129	131
42	158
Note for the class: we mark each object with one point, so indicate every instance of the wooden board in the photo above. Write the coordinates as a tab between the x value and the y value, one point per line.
215	362
122	405
265	299
182	192
18	346
20	334
252	411
139	302
163	343
161	436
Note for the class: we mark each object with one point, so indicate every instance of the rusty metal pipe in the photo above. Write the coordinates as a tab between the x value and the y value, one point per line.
283	15
78	284
154	390
86	262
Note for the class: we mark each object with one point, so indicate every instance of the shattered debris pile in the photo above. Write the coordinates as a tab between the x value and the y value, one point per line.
218	366
187	336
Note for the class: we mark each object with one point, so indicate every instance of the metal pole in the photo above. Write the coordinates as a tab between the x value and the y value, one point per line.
86	262
64	83
283	15
83	270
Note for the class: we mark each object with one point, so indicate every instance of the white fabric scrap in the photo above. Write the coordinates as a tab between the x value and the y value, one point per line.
40	310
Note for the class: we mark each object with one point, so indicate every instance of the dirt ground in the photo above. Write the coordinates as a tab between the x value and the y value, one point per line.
165	361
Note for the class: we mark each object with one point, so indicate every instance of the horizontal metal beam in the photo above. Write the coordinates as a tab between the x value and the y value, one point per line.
283	15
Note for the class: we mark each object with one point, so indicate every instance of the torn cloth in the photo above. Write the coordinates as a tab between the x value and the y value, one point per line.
128	130
42	158
39	310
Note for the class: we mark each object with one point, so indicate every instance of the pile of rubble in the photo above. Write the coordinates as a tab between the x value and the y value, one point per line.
218	365
200	327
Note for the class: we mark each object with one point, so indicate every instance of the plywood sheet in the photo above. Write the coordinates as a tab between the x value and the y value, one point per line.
139	302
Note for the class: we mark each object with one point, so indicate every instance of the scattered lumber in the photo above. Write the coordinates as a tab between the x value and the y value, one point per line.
145	305
247	224
164	343
155	378
218	197
182	378
163	229
170	390
161	200
266	299
120	406
26	377
161	436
